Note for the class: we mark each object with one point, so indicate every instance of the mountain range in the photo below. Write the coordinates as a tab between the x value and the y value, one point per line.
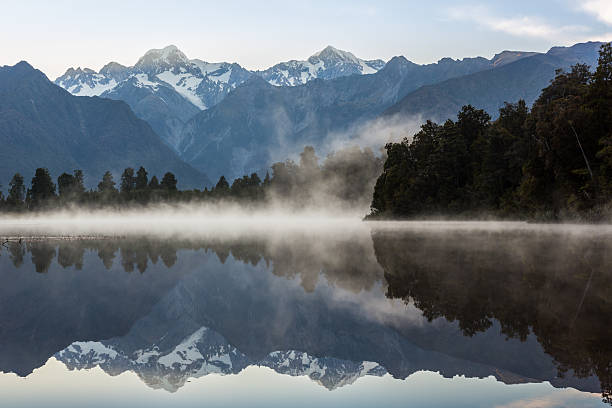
202	120
258	123
488	90
42	125
166	88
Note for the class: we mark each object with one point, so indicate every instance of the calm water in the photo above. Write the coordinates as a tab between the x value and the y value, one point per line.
393	315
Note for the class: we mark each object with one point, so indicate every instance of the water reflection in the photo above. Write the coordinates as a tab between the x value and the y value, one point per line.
519	306
556	286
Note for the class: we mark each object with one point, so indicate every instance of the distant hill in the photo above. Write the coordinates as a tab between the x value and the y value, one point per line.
488	90
42	125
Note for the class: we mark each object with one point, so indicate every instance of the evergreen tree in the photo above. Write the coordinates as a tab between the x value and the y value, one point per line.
42	190
107	185
142	179
65	185
222	188
16	193
600	101
168	182
127	180
154	183
79	182
70	187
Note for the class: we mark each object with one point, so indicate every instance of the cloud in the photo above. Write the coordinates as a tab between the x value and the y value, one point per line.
605	37
601	9
521	26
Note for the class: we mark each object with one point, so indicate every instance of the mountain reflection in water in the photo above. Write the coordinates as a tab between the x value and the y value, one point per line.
521	305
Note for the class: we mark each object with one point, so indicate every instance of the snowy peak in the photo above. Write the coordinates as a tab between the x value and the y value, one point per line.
200	83
163	58
115	70
79	71
328	63
333	56
85	82
330	53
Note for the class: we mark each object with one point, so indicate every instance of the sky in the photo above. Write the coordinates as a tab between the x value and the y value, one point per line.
56	35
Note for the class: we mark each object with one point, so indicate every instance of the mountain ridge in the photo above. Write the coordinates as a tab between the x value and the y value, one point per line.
43	125
488	90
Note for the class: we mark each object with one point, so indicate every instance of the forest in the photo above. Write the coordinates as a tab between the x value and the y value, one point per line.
346	178
550	162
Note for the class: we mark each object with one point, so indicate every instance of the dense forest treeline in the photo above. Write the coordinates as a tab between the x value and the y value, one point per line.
551	162
346	177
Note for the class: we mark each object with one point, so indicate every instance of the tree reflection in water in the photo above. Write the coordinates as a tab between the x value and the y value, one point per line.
557	286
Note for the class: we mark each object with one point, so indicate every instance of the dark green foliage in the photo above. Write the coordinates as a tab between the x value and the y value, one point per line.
16	193
600	96
64	184
247	187
142	179
70	186
42	191
154	183
107	185
128	181
221	189
553	162
168	182
346	177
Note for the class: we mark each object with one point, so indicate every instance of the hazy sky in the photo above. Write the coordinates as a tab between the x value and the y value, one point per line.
55	35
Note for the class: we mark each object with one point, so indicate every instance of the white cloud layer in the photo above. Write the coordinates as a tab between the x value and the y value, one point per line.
601	9
522	26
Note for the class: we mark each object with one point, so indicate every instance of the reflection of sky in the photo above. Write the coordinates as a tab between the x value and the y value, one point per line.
54	386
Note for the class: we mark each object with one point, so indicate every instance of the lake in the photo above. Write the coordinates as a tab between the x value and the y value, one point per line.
304	311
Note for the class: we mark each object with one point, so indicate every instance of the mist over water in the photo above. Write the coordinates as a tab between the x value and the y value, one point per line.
232	219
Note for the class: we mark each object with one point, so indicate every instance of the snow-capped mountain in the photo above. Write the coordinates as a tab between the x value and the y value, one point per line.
204	84
326	64
164	87
205	352
201	83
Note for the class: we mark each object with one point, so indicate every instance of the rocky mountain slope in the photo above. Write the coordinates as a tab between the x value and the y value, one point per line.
488	90
42	125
